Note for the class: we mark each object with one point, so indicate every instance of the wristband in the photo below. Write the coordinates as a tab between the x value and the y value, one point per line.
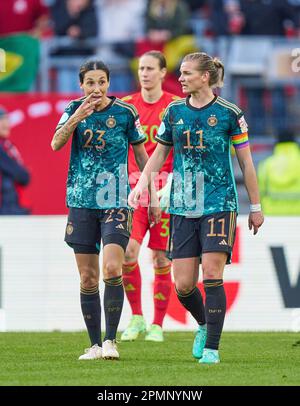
255	208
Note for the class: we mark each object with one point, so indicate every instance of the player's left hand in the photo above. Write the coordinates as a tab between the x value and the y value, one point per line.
255	220
134	197
154	215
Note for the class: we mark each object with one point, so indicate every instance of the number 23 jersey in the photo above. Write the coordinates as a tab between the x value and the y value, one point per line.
98	176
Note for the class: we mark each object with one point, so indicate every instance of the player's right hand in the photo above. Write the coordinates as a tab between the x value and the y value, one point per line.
86	108
255	220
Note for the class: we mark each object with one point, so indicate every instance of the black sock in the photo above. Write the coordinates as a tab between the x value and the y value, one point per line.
91	310
215	309
113	304
193	302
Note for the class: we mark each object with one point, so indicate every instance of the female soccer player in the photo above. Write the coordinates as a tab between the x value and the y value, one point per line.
97	188
203	201
150	102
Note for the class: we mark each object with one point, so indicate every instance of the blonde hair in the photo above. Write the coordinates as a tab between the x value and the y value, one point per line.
213	66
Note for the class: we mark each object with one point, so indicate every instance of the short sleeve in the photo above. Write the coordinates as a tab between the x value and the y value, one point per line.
239	131
69	111
135	131
164	133
238	124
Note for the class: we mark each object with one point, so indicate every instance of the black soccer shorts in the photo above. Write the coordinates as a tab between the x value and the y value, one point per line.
87	227
191	237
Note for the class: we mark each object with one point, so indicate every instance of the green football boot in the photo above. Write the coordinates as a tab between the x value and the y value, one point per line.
155	333
210	356
136	326
199	342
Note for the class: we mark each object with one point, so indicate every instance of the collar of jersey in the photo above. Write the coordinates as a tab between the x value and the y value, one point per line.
200	108
113	98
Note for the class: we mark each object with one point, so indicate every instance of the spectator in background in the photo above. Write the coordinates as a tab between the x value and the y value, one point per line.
268	18
253	17
121	24
278	177
195	5
75	20
166	19
296	7
272	17
168	30
226	18
121	20
28	16
199	20
13	174
22	24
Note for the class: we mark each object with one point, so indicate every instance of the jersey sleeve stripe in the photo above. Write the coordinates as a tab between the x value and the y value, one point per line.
127	106
227	103
229	106
173	103
139	141
163	141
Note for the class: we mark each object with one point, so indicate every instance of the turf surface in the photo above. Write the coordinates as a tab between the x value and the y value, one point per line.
246	359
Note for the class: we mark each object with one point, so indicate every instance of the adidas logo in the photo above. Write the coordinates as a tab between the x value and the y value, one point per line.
129	288
180	121
159	296
120	226
223	242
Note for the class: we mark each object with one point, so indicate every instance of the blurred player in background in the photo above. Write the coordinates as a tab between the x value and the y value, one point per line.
14	176
203	203
97	188
278	177
150	102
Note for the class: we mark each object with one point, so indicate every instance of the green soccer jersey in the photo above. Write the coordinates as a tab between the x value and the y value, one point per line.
97	177
203	180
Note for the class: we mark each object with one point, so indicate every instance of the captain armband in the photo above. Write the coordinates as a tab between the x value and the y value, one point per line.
240	141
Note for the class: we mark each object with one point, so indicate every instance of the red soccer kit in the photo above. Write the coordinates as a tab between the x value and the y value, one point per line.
150	117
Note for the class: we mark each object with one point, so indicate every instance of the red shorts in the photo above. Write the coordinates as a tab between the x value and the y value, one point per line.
159	233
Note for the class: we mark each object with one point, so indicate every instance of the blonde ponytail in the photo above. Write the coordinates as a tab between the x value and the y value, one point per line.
220	72
213	66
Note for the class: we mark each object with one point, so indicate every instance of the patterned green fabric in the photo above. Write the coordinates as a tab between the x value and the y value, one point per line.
203	181
97	177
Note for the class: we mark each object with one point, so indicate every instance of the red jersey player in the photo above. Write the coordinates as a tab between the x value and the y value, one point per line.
150	102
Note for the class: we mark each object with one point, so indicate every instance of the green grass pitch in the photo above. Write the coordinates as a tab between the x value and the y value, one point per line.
246	359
